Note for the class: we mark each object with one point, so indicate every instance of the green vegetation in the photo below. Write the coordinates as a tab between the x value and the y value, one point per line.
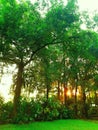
54	58
39	110
55	125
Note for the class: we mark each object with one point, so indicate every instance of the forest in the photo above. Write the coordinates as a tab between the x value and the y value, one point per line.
54	48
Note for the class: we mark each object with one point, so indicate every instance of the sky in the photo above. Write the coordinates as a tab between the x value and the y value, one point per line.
5	86
6	81
89	5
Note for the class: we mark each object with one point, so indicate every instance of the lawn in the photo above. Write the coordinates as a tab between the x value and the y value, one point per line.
55	125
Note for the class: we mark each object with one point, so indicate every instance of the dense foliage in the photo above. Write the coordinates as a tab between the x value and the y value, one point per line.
38	110
54	57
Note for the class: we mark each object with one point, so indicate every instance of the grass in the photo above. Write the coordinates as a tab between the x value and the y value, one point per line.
55	125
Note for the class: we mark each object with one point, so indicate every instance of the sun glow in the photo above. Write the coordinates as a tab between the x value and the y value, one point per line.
5	84
77	93
89	5
69	93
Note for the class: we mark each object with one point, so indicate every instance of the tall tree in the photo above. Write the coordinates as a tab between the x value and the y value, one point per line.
20	38
23	33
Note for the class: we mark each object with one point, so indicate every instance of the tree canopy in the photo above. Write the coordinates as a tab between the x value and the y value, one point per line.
53	42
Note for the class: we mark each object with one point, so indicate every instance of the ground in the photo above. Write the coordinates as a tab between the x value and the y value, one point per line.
54	125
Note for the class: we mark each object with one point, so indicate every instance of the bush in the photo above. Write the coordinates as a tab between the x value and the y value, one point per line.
24	113
35	110
50	109
93	111
5	112
65	113
38	110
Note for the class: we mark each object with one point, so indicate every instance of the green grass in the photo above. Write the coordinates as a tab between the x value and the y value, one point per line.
55	125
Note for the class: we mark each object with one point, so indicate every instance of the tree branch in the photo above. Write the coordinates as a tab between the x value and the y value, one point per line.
41	47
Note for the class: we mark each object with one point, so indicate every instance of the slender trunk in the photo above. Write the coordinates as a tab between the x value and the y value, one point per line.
47	91
75	101
18	89
65	94
95	98
62	93
58	94
85	107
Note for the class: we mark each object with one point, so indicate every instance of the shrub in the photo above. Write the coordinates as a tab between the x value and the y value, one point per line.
43	109
5	112
65	113
24	114
51	109
35	110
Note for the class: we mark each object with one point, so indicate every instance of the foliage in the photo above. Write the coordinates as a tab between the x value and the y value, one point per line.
5	112
50	109
1	100
66	113
47	49
21	38
38	110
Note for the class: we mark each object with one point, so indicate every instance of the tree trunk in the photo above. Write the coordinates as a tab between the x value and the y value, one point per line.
19	81
47	91
65	94
58	94
95	98
75	102
85	107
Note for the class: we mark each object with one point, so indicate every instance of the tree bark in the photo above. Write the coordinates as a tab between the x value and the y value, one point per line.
95	98
47	91
16	101
75	102
58	94
85	107
65	94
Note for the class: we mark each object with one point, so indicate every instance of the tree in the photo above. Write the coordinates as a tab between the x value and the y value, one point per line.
23	33
20	36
